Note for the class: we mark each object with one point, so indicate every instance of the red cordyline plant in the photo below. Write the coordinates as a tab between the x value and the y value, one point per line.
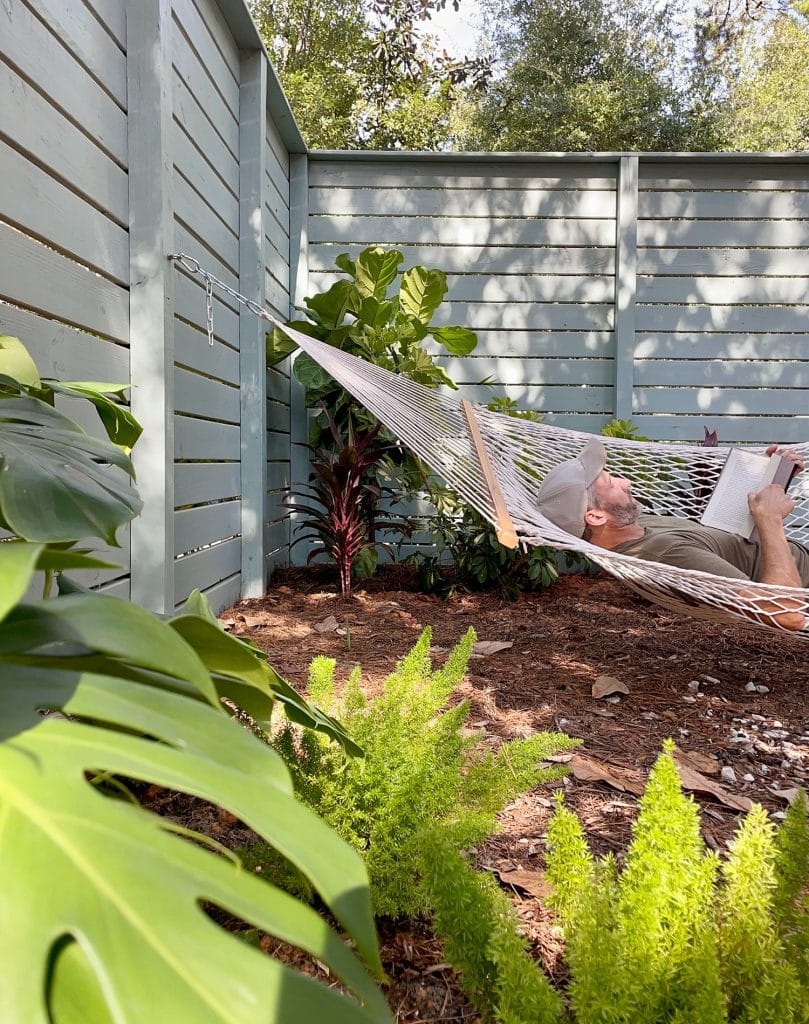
342	504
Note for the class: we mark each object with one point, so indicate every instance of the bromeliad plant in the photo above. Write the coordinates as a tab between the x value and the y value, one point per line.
105	910
347	517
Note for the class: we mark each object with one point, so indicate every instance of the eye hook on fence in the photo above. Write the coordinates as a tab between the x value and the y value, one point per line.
193	267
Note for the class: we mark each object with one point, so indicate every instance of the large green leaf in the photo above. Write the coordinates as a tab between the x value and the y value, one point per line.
422	291
375	269
112	877
55	485
311	374
330	307
458	341
121	426
17	566
15	362
241	673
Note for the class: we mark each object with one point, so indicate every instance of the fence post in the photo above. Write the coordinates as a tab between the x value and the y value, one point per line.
299	285
151	297
252	351
626	260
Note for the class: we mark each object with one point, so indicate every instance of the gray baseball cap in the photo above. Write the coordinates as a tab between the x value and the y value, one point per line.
562	496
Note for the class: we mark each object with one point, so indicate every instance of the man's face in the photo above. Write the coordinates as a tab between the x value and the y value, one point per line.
614	495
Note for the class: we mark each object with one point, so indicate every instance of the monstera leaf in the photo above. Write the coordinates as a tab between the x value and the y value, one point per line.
106	915
55	483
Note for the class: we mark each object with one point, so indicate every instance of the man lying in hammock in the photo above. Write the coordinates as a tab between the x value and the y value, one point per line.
581	497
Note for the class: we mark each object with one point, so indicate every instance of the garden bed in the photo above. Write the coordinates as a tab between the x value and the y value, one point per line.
732	698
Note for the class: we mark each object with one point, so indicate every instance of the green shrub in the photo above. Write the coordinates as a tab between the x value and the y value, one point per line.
674	936
425	793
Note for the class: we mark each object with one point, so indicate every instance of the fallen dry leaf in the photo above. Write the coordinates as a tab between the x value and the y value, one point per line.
530	881
790	795
605	686
587	769
483	648
696	782
328	625
705	763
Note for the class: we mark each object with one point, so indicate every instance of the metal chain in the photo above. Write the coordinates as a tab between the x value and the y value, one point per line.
193	267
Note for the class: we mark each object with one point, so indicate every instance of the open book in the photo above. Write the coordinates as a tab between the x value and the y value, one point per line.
743	472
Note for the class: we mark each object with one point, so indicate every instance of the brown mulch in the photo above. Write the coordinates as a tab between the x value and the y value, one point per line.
734	698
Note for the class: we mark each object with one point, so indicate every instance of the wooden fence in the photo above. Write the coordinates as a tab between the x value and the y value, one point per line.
672	289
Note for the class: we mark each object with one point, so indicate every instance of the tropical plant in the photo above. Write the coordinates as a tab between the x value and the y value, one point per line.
342	509
675	935
358	315
109	913
425	793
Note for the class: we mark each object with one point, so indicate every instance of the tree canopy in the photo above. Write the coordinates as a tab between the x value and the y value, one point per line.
549	75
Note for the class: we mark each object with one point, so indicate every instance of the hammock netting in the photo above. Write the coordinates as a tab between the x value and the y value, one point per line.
668	479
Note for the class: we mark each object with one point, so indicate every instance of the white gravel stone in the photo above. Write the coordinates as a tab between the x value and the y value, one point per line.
727	774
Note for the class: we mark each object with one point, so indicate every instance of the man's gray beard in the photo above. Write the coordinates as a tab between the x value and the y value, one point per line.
624	514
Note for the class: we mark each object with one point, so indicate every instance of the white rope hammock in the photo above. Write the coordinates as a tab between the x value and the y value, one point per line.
667	479
496	462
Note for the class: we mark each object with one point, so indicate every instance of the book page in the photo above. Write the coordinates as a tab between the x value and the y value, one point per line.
727	508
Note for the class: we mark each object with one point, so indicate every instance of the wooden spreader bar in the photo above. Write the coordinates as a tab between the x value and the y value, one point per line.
504	528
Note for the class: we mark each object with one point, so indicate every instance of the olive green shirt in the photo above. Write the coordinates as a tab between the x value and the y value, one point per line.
690	545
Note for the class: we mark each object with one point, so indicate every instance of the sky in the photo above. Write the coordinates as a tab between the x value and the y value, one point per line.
456	32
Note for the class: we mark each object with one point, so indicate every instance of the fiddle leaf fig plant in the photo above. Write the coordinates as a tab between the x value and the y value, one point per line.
357	314
109	914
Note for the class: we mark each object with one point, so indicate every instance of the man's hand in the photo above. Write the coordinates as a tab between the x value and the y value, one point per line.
786	453
770	503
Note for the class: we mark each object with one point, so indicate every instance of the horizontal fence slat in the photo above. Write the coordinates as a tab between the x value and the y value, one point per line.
743	291
742	205
278	416
188	66
208	569
446	202
785	429
195	122
191	349
393	231
212	38
276	541
672	234
195	169
63	352
112	14
84	36
481	259
511	288
548	401
551	315
199	217
743	374
201	396
35	276
597	344
185	241
579	372
748	174
724	262
222	595
717	401
190	304
745	319
40	205
463	174
199	482
199	527
722	346
44	133
29	46
201	440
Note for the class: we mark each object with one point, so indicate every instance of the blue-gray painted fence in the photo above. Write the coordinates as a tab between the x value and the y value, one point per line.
670	288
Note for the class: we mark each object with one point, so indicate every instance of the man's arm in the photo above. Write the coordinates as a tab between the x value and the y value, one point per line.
769	507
